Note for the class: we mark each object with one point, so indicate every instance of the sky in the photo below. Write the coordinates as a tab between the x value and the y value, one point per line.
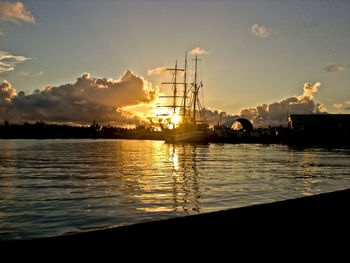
256	56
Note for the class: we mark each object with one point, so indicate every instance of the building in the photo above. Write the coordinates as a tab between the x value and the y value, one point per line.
319	122
319	128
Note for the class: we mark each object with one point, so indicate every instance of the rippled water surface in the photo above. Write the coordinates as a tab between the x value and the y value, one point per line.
53	187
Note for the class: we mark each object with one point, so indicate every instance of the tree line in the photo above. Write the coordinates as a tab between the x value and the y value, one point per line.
42	130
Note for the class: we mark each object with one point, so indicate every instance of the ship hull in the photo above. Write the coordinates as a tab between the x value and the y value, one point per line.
191	136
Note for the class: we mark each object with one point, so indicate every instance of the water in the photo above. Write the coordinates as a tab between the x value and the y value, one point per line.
54	187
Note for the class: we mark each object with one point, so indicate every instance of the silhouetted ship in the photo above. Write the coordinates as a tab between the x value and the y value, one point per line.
186	121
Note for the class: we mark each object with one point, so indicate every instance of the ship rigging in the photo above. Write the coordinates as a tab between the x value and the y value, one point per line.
186	119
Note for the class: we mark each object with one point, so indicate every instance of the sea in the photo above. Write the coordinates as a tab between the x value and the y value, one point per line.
64	186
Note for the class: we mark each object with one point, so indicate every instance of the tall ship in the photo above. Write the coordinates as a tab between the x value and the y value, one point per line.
186	120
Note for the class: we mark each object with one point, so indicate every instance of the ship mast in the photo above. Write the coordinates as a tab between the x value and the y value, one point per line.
195	92
174	84
175	87
195	87
184	119
196	102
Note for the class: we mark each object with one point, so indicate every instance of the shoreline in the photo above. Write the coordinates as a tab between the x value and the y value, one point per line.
318	215
272	135
295	142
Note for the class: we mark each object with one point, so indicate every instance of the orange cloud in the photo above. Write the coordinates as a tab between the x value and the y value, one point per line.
334	68
198	51
157	71
15	13
338	106
8	61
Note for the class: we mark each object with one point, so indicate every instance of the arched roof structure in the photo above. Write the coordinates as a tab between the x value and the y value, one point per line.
246	124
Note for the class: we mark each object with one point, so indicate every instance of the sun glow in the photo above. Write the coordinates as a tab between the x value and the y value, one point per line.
175	118
154	113
168	118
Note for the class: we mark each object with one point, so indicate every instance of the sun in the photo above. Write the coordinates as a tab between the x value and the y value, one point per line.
175	119
170	118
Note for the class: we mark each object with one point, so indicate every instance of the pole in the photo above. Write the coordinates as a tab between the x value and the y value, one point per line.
185	91
195	93
175	88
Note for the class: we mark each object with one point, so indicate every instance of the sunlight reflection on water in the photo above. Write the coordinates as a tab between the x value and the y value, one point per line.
51	187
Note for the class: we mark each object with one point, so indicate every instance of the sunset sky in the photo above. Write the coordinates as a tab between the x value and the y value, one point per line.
254	52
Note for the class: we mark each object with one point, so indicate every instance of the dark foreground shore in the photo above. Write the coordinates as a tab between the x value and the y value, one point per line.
322	218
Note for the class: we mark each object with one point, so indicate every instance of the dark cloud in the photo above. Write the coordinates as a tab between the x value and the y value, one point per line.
274	114
88	99
128	101
6	95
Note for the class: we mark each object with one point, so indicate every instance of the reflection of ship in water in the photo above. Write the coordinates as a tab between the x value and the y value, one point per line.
162	178
186	185
186	119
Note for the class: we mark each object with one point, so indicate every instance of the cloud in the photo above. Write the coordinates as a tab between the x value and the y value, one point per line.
309	90
6	92
27	74
260	31
214	116
338	106
157	71
198	51
274	114
8	61
15	13
24	74
100	99
334	68
129	100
